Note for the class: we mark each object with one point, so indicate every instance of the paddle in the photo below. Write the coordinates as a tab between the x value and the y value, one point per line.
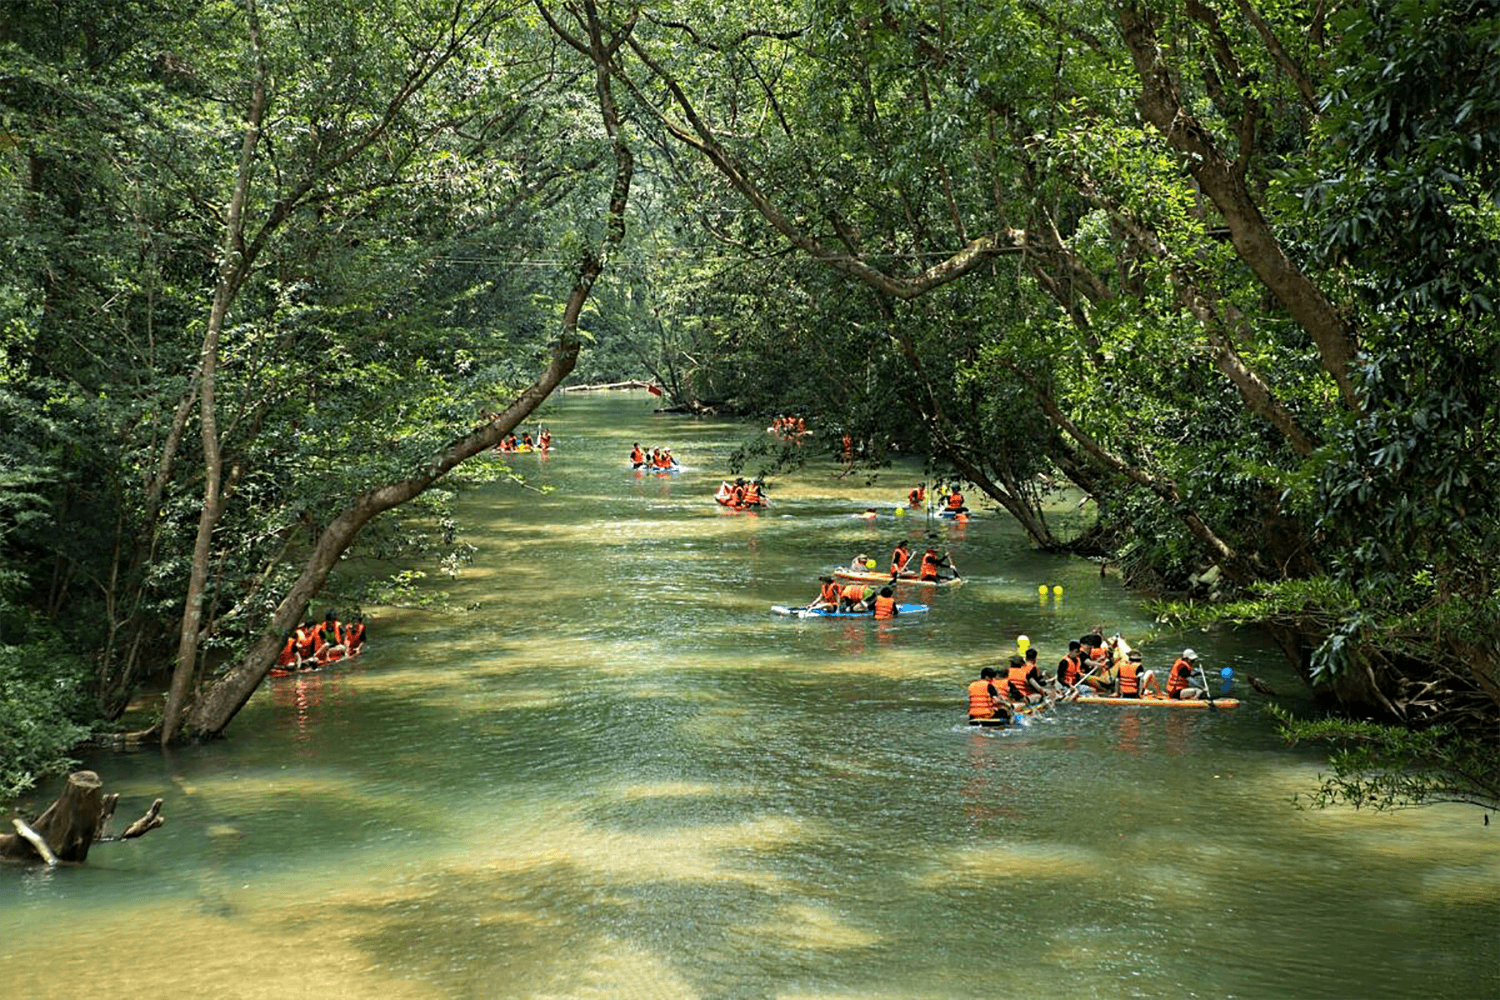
1208	690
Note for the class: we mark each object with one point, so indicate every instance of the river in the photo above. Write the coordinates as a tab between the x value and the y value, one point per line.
618	775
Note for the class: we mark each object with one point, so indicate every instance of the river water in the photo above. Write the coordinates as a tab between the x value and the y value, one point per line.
618	775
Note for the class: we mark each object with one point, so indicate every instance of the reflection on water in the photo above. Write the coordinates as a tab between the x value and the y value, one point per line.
619	775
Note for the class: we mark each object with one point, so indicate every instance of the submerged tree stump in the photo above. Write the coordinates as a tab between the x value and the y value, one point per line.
72	824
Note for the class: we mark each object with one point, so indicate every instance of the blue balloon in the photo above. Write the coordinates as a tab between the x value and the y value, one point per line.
1227	673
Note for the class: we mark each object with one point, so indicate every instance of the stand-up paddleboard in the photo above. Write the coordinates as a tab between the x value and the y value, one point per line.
901	609
884	578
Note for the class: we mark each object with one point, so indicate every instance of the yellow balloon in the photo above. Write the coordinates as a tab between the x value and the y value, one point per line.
1022	642
869	564
1041	588
899	511
1057	590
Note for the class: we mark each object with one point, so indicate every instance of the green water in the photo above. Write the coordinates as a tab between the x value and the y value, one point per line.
618	775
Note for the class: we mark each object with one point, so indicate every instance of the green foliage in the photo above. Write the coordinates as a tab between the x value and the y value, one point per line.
1383	767
44	705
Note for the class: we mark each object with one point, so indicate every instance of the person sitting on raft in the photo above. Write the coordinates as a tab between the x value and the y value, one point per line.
637	456
354	635
288	659
1132	680
753	496
1180	678
828	595
885	605
900	556
860	564
955	503
329	636
918	496
527	442
1023	681
986	700
545	441
856	598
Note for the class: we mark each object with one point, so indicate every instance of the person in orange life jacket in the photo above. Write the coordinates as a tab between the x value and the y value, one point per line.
885	605
828	596
987	700
752	494
354	635
955	503
526	440
1180	678
330	639
307	643
933	566
1022	683
287	658
857	598
545	441
637	455
737	494
917	496
1070	668
1132	680
900	557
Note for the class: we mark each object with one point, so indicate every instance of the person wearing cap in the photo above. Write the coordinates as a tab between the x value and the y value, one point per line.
986	699
1180	679
860	563
1133	680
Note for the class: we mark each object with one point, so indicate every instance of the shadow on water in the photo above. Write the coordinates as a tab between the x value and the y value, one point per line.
618	775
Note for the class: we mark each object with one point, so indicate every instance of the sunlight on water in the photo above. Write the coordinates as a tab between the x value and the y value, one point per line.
611	772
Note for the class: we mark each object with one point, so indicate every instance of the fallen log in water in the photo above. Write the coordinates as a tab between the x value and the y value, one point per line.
71	825
632	384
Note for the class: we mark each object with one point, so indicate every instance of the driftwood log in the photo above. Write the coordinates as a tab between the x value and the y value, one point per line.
75	822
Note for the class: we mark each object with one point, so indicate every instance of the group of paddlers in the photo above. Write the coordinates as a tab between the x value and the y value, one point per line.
1093	665
656	458
542	442
788	428
950	501
742	493
316	644
880	600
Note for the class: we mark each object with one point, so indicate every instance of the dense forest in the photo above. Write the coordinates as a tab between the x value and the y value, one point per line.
273	270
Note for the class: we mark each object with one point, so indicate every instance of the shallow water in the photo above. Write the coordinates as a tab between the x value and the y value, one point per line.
618	775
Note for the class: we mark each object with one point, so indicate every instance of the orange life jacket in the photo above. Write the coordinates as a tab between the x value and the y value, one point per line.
1016	678
1130	679
981	699
288	654
752	494
546	439
1073	669
929	566
955	500
856	592
916	496
737	496
1180	677
899	559
831	593
306	641
637	457
354	634
885	607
